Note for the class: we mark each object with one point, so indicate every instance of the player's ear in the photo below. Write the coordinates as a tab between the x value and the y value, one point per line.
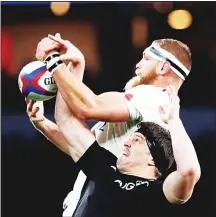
151	161
163	68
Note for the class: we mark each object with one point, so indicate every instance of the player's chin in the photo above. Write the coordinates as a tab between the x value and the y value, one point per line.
137	72
121	161
125	153
138	78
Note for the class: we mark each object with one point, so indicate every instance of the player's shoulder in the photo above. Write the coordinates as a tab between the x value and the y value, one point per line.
146	88
148	92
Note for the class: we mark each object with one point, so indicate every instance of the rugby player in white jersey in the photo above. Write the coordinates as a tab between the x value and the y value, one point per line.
165	62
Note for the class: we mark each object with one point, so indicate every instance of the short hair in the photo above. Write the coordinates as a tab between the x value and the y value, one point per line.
159	143
178	49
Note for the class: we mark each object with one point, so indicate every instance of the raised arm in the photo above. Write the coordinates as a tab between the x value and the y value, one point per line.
178	186
80	99
49	129
85	104
78	136
35	110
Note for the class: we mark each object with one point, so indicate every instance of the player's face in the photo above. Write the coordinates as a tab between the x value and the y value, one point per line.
135	151
145	71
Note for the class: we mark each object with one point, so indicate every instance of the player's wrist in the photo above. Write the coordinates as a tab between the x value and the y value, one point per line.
53	62
39	125
46	54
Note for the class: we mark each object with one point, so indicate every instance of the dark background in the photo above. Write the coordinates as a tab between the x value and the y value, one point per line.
36	176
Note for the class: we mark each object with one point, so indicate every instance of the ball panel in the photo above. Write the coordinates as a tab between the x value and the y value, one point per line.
20	83
47	82
38	97
35	74
31	86
32	66
24	83
34	89
36	83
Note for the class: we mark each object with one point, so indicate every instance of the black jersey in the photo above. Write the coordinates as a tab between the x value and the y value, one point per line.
110	193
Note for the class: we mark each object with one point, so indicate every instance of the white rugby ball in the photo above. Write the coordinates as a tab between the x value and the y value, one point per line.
36	82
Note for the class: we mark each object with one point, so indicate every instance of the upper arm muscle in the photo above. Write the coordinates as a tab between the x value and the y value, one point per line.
109	107
178	189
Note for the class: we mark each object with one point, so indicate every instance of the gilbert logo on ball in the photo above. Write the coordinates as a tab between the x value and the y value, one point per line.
36	83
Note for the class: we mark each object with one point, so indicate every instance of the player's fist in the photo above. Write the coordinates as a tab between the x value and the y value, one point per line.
42	52
71	52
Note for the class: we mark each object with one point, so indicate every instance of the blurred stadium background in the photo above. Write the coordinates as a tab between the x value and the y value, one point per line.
36	176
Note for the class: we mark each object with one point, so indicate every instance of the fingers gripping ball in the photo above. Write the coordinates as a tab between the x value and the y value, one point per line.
36	82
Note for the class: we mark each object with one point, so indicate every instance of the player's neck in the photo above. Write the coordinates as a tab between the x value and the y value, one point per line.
166	82
160	83
144	172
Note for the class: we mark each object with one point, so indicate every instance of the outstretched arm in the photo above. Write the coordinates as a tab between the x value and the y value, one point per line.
79	139
81	100
85	104
35	110
50	130
178	186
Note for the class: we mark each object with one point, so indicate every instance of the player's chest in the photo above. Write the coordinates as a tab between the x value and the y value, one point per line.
132	185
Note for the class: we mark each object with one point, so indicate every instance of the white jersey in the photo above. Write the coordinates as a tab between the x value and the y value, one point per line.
143	104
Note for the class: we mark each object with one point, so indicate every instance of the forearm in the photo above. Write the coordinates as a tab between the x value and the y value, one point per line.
76	134
79	139
84	104
52	132
62	111
77	95
183	149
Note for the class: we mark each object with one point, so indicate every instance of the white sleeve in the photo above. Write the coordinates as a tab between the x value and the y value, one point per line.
70	202
143	103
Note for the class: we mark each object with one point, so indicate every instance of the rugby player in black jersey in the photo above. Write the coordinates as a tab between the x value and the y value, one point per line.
133	184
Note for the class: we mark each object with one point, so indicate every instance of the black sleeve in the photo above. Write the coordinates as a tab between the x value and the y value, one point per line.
157	194
97	162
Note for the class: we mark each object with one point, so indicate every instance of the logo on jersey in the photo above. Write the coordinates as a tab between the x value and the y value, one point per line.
128	96
130	185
